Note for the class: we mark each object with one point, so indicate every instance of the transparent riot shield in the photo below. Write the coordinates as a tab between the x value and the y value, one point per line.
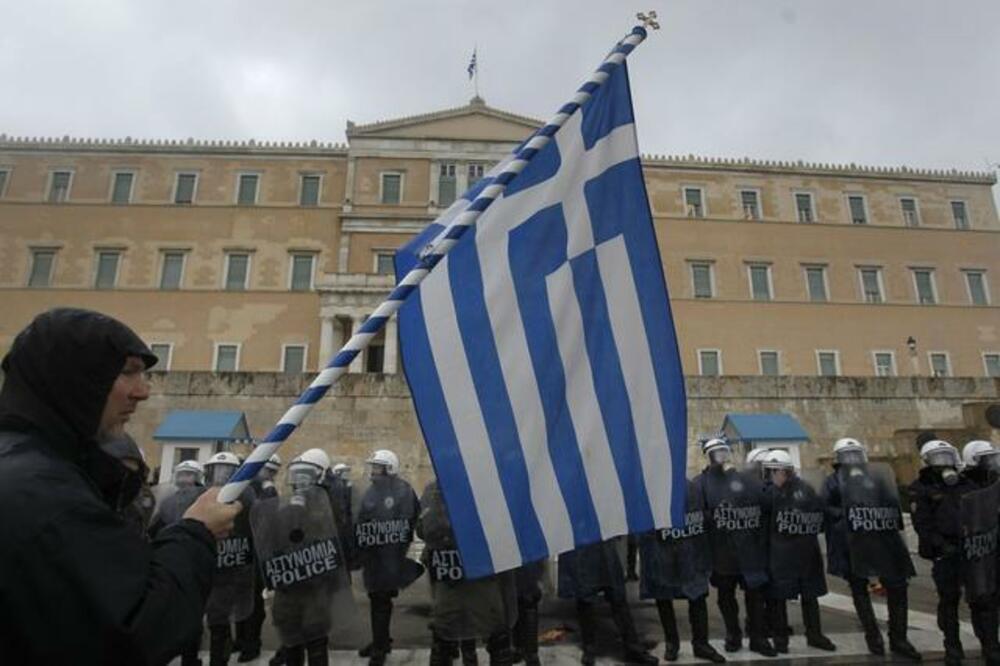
171	503
384	518
796	519
979	541
231	598
734	502
874	521
674	559
302	559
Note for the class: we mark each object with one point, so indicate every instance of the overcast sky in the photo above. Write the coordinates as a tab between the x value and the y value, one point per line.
883	82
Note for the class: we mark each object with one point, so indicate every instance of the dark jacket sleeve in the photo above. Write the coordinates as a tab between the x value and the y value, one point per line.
923	509
91	591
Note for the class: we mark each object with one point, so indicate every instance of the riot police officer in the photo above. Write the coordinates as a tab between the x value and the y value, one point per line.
979	543
864	540
982	462
383	530
337	482
734	503
463	609
676	564
527	579
588	573
795	562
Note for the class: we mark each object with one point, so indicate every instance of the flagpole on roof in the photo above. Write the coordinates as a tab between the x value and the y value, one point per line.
429	258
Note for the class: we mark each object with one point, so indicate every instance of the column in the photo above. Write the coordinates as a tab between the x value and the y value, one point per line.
357	365
390	350
325	342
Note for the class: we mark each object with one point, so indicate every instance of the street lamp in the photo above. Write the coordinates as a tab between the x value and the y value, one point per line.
911	344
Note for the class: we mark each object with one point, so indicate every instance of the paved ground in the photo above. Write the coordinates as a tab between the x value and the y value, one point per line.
412	639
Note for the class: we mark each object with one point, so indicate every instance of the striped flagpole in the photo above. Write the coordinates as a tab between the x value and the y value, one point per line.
428	259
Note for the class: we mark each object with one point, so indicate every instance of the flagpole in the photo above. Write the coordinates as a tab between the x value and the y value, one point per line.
475	72
429	258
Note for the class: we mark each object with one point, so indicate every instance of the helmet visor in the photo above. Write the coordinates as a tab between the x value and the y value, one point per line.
720	455
303	476
185	478
989	460
218	474
942	458
851	457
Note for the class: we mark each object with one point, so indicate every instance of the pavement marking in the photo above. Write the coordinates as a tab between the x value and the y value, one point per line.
915	619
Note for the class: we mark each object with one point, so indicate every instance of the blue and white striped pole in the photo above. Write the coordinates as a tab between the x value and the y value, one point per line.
429	258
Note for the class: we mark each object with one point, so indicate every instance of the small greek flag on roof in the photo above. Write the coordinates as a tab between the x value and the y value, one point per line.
542	356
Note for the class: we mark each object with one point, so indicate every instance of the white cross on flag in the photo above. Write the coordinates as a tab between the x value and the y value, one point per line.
542	356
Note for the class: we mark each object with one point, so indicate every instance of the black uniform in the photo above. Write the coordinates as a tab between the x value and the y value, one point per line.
248	630
983	606
937	518
79	586
585	574
528	580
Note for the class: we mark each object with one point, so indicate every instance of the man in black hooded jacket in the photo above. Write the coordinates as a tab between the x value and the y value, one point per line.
77	585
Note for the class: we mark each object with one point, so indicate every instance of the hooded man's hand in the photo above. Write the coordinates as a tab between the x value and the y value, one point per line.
213	514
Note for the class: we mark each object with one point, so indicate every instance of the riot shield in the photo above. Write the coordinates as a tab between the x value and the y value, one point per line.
384	518
874	522
171	504
231	598
796	516
979	541
677	560
734	503
302	559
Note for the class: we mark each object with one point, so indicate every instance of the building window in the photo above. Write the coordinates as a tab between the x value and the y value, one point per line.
694	205
871	284
41	268
760	282
750	200
237	271
701	280
885	363
908	206
107	269
185	187
172	270
447	186
829	363
923	281
392	187
384	263
475	173
960	214
227	357
992	363
4	178
309	190
59	184
375	358
121	188
816	283
769	365
856	204
246	193
710	362
163	352
976	283
940	364
301	278
293	359
804	207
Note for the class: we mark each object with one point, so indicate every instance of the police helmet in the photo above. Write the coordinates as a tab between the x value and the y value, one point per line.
273	463
976	451
848	450
308	468
939	453
757	455
190	468
220	467
778	459
386	459
341	469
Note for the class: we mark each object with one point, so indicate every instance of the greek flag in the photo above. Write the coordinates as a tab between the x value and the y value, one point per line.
542	356
471	69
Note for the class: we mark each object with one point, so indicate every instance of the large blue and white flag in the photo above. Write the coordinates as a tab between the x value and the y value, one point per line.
542	356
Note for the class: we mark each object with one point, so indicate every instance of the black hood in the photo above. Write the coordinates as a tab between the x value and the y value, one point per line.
59	371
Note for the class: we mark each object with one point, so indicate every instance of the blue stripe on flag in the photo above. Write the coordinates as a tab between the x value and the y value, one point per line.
480	349
599	117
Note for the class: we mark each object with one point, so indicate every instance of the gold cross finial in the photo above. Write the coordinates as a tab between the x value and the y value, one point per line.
648	20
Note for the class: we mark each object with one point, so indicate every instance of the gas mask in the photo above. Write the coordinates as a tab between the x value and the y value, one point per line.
945	462
851	457
721	457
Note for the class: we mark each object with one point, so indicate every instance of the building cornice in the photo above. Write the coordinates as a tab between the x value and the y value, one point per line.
477	106
747	165
182	146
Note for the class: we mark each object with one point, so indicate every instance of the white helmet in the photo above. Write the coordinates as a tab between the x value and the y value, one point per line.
308	469
975	451
778	459
387	459
717	451
757	455
315	457
849	450
939	453
192	469
273	463
341	469
220	467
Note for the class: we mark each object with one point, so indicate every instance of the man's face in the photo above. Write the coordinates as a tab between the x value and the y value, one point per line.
129	389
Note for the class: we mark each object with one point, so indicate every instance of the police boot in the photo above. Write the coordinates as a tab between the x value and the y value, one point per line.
279	657
777	616
755	613
498	647
665	608
469	656
441	651
947	621
731	617
381	617
295	655
984	623
698	615
898	643
219	645
588	632
318	652
526	635
635	653
814	630
866	615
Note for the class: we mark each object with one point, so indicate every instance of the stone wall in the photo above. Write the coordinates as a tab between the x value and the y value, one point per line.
364	412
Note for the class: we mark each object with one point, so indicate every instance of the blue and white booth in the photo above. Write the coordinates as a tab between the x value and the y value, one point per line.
747	432
198	435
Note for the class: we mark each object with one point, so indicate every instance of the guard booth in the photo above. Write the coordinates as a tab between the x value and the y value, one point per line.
198	435
747	432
